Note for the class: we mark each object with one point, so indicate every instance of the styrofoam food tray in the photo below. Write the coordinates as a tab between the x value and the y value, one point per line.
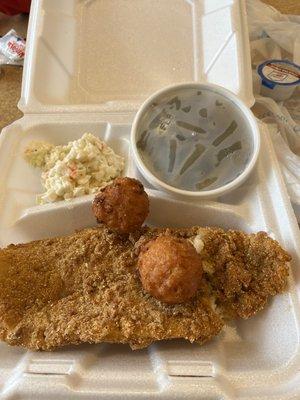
60	96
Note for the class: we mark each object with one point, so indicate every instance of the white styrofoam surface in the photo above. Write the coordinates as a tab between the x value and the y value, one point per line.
257	357
88	57
92	55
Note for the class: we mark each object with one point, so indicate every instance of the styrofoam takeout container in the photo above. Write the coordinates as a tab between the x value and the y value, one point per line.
222	108
77	58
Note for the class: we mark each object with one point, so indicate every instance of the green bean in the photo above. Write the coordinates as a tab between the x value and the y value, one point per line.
190	127
172	154
203	112
187	109
228	150
175	101
206	182
142	142
229	131
199	149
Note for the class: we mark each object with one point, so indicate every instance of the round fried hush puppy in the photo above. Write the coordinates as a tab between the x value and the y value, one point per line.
170	269
123	205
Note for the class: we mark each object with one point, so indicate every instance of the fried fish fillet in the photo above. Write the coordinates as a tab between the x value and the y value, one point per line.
85	288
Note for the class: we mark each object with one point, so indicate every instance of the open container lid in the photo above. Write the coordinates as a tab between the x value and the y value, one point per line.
109	56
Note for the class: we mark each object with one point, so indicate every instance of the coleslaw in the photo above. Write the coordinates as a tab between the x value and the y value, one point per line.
81	167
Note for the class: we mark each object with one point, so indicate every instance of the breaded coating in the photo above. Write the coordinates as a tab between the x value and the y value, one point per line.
170	269
247	270
122	206
242	270
85	288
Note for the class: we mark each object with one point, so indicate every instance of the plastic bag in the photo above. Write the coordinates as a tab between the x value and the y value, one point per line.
12	49
277	36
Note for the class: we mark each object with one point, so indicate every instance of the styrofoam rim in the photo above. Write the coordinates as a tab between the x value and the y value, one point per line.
205	193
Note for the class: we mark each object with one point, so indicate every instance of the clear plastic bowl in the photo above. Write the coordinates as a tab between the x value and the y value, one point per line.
196	140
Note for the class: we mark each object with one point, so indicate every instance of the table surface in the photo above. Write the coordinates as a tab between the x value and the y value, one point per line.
285	6
11	77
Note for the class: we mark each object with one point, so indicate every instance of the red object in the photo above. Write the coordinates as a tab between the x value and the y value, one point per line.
13	7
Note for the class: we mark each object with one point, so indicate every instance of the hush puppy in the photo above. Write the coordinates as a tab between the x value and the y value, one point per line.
122	206
170	269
